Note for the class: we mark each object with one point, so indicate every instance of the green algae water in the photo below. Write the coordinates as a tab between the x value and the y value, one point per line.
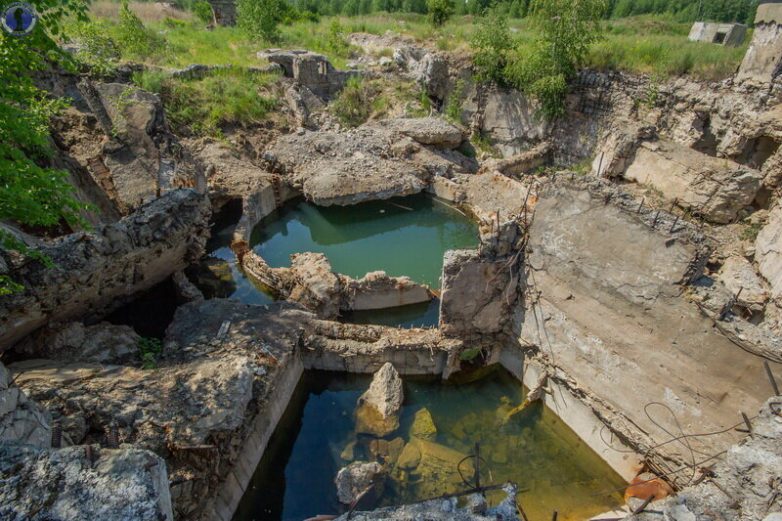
553	468
401	236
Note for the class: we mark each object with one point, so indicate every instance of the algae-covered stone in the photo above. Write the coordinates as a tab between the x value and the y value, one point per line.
387	452
348	453
423	425
378	408
433	468
410	457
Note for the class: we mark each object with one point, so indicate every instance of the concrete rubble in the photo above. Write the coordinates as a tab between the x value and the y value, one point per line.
107	266
640	298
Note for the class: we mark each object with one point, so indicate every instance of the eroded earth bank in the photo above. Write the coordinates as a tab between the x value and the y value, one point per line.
627	270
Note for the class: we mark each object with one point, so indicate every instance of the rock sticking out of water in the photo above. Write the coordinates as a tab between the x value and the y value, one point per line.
378	408
356	478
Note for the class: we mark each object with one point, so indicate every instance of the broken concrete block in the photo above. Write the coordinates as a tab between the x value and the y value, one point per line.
715	188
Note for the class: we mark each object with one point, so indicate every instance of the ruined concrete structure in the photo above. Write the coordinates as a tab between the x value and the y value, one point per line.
723	34
640	297
763	61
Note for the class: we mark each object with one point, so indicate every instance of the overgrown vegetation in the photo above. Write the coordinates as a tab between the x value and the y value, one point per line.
32	194
260	18
136	40
354	103
567	30
149	349
204	107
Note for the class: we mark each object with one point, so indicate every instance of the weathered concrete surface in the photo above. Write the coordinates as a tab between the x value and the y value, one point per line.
768	251
507	117
478	295
376	290
311	282
739	277
94	272
364	348
312	70
603	305
100	343
140	158
21	419
750	473
715	188
763	60
199	411
722	34
374	161
110	485
352	480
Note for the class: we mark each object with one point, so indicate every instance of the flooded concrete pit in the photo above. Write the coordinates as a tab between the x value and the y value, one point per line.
301	316
356	240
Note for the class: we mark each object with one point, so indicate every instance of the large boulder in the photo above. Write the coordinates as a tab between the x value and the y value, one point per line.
713	187
430	469
357	477
378	408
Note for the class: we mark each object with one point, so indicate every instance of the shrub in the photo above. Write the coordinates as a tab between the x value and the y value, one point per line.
261	18
136	40
491	44
203	11
98	50
453	109
149	349
352	106
439	11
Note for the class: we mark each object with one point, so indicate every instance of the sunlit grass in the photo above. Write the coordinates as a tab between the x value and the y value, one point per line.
645	44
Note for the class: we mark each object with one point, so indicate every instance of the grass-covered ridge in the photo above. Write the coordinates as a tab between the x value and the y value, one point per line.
650	44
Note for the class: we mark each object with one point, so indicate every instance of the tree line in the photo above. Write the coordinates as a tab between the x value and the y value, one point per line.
742	11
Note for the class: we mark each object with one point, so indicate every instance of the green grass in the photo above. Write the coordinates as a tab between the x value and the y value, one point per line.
644	44
205	107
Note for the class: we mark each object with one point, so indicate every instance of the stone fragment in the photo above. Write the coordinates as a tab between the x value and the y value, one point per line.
21	419
423	425
738	274
433	467
387	452
715	188
768	251
354	479
378	408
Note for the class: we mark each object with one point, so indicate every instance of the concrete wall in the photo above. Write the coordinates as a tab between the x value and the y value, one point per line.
763	61
263	426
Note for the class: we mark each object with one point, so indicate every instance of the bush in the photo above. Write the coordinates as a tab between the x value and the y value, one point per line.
203	11
353	105
491	44
136	40
439	11
98	50
261	18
